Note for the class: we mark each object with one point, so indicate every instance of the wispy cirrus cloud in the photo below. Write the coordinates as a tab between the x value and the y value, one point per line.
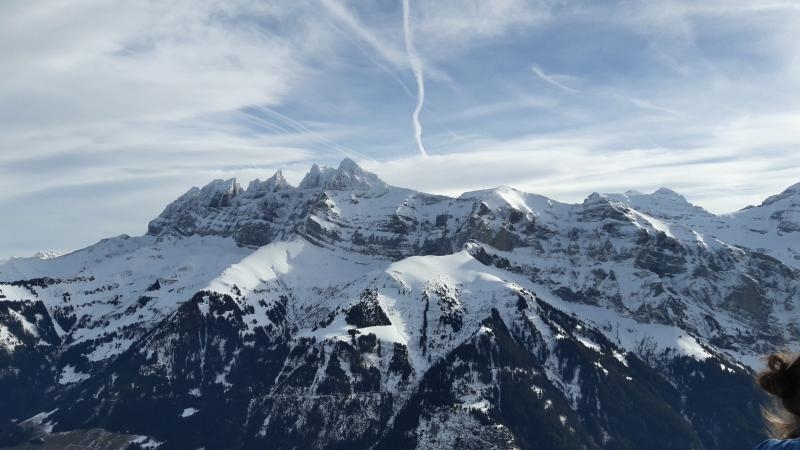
381	45
552	79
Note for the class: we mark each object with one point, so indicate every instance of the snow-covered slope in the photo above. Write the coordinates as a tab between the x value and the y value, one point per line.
771	228
346	312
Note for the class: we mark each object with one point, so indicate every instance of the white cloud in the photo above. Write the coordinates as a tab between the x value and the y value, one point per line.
94	62
391	53
448	25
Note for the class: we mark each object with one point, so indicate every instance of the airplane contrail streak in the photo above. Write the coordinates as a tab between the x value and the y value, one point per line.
416	67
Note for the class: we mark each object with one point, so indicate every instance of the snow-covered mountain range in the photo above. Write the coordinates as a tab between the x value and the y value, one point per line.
348	313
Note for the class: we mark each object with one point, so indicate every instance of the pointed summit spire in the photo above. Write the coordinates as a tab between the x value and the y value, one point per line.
272	184
315	178
349	165
348	176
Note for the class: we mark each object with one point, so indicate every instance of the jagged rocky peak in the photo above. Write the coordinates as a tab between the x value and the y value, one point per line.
348	176
314	178
274	183
216	193
596	198
219	193
182	213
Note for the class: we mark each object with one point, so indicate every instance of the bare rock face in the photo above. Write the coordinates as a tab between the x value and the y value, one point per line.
348	313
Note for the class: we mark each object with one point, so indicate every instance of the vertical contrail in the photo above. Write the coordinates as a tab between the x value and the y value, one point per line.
416	66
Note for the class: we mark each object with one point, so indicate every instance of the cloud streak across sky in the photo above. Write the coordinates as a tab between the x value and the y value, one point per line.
552	80
111	109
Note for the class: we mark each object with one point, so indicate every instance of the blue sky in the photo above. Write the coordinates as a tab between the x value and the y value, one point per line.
111	109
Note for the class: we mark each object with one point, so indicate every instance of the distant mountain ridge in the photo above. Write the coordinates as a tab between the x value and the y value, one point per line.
348	313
